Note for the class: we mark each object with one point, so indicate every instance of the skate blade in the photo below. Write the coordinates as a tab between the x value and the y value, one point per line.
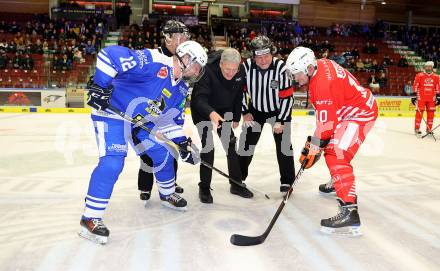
351	231
331	194
169	205
101	240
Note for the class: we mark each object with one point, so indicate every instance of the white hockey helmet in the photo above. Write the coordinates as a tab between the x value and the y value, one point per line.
298	61
197	59
429	64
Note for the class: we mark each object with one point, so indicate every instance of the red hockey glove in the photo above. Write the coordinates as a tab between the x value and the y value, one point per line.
312	151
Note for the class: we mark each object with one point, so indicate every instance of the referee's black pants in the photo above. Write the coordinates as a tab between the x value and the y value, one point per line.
228	140
283	142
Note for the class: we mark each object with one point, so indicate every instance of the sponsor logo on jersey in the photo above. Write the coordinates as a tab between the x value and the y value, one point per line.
183	90
118	148
142	57
155	107
162	73
182	104
274	84
166	93
325	102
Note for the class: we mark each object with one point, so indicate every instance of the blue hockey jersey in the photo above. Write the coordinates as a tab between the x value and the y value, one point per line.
144	87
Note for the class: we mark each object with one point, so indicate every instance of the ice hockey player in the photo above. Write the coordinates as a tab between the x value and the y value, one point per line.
426	86
345	113
151	87
174	33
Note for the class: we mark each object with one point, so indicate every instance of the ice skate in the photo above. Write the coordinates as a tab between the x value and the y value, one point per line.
94	230
327	188
174	201
346	222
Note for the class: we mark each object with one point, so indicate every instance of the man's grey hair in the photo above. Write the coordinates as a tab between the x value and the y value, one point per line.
230	55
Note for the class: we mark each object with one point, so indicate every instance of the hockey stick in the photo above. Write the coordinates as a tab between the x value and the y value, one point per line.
242	240
176	147
432	133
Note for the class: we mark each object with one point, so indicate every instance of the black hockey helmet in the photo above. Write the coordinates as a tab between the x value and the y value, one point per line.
172	26
262	45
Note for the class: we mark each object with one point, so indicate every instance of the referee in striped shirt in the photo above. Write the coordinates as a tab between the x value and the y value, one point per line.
268	98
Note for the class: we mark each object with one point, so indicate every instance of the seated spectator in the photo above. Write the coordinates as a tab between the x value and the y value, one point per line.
14	28
56	63
338	59
366	49
139	44
4	60
408	90
347	54
374	66
328	46
17	61
355	53
27	63
403	62
368	65
78	57
350	65
3	46
45	47
387	61
12	47
360	65
374	49
4	27
66	63
383	80
90	48
373	83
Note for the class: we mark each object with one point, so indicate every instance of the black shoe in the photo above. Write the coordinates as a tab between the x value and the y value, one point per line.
241	191
347	222
145	195
327	188
179	189
284	188
205	195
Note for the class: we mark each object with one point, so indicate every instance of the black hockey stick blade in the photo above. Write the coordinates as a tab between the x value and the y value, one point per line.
242	240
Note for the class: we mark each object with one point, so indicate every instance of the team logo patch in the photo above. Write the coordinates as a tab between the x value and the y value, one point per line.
162	73
155	107
274	84
166	93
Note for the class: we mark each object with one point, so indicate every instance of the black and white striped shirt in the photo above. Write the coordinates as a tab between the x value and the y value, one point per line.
268	91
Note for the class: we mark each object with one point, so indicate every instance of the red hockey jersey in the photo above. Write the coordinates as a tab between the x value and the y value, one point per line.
426	86
337	96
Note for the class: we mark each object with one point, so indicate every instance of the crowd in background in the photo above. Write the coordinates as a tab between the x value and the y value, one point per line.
64	40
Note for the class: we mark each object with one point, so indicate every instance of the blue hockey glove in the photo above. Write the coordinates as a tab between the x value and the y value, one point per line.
189	152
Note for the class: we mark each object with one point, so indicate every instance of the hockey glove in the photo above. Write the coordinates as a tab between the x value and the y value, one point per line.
189	152
414	100
437	99
99	98
312	150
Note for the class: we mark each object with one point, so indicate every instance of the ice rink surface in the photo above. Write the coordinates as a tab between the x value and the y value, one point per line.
46	162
